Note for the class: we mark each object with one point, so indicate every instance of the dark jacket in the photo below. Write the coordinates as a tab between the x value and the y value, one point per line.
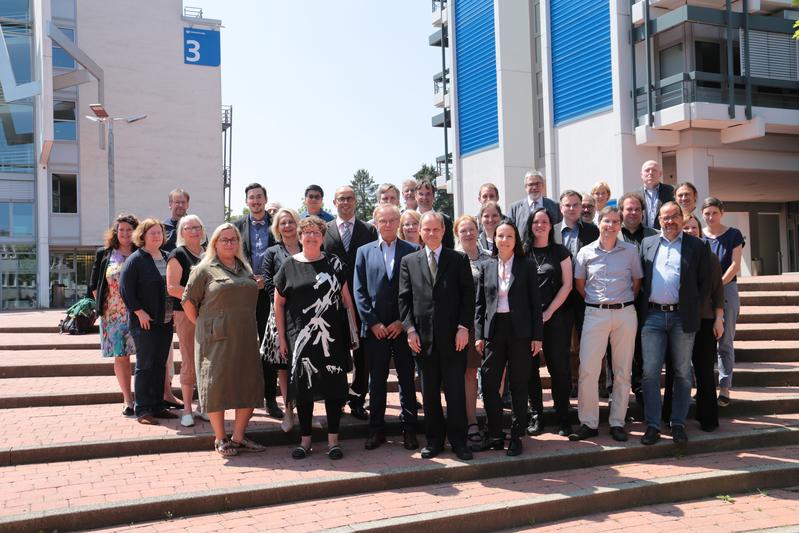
694	278
97	283
435	308
586	234
273	259
665	194
143	287
524	300
519	213
243	225
362	233
377	296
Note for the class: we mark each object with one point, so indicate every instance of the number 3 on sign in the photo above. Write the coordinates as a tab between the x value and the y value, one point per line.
192	50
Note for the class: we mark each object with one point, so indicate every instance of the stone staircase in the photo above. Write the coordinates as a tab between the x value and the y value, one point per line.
69	461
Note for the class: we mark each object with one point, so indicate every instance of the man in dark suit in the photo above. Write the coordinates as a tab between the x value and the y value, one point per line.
377	267
256	238
655	192
425	195
676	279
436	304
345	234
520	211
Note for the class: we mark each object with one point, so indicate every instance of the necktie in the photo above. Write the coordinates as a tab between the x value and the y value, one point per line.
346	236
432	264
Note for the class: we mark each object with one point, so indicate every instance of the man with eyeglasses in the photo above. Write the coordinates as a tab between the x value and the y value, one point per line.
345	234
256	238
314	199
178	207
521	211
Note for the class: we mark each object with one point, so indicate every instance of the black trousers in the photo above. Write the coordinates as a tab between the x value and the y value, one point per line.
506	349
557	339
270	374
305	416
380	353
703	360
444	367
360	374
152	350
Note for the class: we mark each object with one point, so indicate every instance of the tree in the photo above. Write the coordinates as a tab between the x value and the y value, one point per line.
443	202
365	194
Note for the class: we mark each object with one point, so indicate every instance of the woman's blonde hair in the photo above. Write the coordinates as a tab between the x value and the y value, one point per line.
210	253
180	241
276	221
600	185
410	213
465	218
143	227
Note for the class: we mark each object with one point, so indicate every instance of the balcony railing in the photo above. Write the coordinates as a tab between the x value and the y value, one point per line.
689	87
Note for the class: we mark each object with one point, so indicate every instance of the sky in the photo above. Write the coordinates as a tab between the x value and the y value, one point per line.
322	88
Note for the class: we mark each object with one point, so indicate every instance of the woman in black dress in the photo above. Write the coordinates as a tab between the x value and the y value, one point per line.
554	266
311	297
284	230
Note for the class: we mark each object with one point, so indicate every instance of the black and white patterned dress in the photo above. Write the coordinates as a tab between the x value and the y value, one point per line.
316	327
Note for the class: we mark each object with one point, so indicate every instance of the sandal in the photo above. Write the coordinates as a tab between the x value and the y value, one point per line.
300	452
246	445
225	448
475	439
335	452
723	401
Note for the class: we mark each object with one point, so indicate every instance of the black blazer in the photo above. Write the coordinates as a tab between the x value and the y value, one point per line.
519	213
524	300
97	282
143	287
243	225
362	233
695	279
274	258
435	308
376	296
665	194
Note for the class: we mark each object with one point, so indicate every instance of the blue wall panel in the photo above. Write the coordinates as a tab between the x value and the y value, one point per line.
475	54
581	73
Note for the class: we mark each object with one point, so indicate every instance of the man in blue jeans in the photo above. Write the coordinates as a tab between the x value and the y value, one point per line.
676	277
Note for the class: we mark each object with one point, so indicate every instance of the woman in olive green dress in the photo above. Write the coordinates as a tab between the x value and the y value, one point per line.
220	298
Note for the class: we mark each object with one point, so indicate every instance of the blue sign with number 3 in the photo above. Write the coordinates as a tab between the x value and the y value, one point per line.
201	47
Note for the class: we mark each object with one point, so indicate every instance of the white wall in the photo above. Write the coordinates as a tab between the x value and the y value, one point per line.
476	169
139	46
587	154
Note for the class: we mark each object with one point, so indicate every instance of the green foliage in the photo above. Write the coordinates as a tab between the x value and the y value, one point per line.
230	217
444	202
726	498
795	3
365	193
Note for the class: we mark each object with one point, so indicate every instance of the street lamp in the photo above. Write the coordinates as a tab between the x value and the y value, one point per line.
101	115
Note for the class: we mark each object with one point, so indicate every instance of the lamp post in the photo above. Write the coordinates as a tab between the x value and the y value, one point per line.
101	115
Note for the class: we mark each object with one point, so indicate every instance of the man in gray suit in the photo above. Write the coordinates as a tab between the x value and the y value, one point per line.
520	211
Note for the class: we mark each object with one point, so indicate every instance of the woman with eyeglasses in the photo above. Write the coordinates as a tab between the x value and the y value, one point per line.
311	299
409	227
220	299
189	251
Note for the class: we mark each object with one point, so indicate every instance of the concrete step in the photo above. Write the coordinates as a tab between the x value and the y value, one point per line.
392	489
784	282
767	374
781	298
766	351
53	341
753	314
774	511
767	332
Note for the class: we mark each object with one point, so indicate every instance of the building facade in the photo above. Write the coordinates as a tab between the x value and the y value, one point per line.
135	58
588	91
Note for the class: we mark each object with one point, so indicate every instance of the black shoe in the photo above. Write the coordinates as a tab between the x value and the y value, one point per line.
358	412
618	434
273	409
573	392
709	427
128	412
409	441
375	440
678	435
428	452
565	430
495	444
165	414
172	405
514	446
464	453
582	433
536	426
651	436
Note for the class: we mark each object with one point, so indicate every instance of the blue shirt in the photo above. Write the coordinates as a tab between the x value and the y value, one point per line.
324	215
608	274
666	272
652	205
259	242
570	237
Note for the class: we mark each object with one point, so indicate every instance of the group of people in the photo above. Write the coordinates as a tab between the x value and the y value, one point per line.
299	301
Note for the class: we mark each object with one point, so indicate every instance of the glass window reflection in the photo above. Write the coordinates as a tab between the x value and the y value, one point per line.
22	220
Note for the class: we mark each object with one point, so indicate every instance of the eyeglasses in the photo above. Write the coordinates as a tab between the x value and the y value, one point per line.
193	228
345	199
314	196
311	233
229	242
669	218
386	221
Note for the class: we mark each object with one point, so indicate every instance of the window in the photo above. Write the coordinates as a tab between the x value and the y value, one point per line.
671	61
5	219
708	57
15	9
64	125
65	193
61	59
21	220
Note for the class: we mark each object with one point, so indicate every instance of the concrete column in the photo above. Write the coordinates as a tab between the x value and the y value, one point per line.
693	164
43	128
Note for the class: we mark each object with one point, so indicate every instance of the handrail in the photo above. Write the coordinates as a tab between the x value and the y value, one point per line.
193	12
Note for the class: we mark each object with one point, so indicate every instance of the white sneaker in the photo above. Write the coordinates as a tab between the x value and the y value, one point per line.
203	416
187	421
287	424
